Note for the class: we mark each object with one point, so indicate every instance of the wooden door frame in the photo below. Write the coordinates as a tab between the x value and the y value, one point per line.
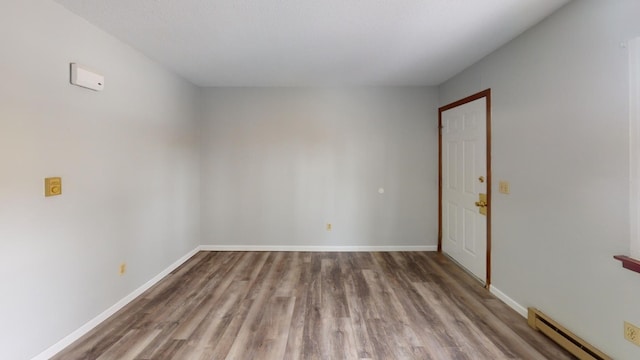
482	94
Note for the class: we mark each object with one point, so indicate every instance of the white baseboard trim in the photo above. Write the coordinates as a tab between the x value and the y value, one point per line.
317	248
69	339
509	301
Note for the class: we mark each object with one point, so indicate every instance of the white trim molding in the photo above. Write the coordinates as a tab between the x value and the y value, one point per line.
69	339
317	248
509	301
634	145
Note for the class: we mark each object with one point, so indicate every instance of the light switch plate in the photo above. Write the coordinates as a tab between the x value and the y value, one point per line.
503	187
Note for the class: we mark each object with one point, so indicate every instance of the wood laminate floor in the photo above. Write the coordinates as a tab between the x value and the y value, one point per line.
292	305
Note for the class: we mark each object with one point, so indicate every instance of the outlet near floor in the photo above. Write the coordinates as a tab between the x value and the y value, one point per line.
123	268
632	333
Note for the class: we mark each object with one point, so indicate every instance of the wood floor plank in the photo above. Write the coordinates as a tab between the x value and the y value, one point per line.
276	324
288	305
434	337
288	279
132	344
354	296
221	342
251	335
333	298
465	333
474	311
311	335
297	324
132	351
337	339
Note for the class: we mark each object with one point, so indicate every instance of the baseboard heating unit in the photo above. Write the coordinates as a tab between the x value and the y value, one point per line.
563	337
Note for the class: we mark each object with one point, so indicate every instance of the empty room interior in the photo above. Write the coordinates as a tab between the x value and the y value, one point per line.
287	179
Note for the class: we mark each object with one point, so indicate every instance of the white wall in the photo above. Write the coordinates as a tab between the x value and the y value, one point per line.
129	163
560	117
278	164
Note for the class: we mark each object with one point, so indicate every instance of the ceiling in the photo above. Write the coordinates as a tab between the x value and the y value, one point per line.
315	42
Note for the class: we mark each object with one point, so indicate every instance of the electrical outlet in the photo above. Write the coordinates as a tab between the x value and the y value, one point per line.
632	333
329	227
52	186
123	268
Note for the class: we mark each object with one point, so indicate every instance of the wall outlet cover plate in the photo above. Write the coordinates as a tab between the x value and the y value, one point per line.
52	186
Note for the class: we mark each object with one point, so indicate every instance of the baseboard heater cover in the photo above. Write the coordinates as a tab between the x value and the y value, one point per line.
563	337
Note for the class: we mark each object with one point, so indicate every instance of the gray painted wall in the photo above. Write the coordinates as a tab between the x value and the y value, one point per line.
560	117
278	164
129	163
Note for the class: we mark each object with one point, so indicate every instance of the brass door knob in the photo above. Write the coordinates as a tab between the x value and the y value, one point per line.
481	203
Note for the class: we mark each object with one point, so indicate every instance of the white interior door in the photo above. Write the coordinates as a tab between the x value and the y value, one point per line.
464	177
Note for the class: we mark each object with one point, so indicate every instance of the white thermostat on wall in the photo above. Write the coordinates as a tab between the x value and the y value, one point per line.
81	76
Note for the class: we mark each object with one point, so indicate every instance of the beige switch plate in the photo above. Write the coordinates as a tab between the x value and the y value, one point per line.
329	227
52	186
503	187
